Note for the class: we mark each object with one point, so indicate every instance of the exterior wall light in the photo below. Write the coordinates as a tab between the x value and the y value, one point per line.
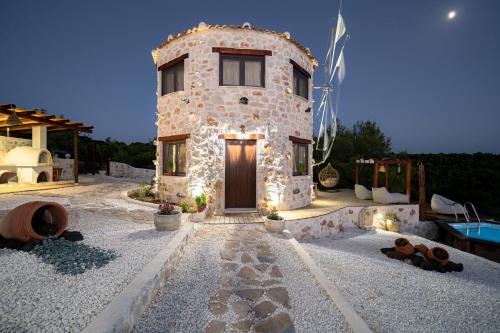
308	110
244	100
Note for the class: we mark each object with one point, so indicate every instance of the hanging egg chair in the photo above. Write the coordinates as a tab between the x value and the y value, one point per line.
328	177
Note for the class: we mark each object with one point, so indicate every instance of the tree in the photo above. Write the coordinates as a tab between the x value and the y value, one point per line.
364	140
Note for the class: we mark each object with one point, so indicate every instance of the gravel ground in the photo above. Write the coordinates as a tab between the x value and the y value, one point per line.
393	296
34	298
311	309
181	305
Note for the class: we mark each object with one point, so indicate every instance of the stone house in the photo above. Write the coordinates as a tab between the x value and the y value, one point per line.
234	118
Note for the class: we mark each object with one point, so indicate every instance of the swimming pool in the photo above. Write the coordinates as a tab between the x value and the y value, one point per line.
489	231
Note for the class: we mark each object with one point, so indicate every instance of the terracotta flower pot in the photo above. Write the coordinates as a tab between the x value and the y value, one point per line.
422	248
439	254
34	220
403	246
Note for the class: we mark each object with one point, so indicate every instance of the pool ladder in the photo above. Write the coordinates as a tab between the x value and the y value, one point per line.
467	216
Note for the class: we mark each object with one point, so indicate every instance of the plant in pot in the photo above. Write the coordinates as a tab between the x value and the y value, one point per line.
274	222
186	210
403	246
392	222
170	168
302	168
167	218
201	207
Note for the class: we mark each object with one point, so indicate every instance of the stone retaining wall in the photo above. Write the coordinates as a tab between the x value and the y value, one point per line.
353	217
123	170
66	164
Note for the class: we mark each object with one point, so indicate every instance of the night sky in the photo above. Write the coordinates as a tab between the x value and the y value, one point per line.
432	84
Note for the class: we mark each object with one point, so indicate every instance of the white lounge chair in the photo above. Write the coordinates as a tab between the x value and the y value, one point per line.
442	205
362	192
381	195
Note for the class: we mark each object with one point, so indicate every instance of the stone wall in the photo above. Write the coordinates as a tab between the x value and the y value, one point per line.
8	143
66	164
117	169
354	217
205	110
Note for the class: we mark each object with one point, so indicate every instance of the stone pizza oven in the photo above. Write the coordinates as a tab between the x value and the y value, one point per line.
234	118
32	164
27	160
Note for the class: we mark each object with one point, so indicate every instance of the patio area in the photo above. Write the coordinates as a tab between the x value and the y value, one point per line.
329	202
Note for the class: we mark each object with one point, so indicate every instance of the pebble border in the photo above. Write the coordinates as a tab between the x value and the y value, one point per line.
357	324
126	308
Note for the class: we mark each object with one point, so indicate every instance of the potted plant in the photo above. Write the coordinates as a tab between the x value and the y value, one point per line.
403	246
170	168
392	222
186	210
302	168
439	254
274	222
167	218
201	207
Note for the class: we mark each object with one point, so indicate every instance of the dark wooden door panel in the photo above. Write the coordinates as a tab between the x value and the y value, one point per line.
240	172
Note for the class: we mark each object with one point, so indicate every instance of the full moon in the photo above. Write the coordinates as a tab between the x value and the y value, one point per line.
451	15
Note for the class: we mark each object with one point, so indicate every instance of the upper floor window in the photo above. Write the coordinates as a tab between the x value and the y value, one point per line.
174	158
239	70
300	81
172	75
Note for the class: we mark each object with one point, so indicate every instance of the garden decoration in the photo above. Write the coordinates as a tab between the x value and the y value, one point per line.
34	220
167	218
201	207
436	259
403	246
274	222
328	177
392	222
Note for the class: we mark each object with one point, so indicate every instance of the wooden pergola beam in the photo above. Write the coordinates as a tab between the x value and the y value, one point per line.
40	119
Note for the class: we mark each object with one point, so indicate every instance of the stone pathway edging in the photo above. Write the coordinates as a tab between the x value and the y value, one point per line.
124	196
121	314
357	324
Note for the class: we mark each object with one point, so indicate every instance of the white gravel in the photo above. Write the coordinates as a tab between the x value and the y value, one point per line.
181	305
34	298
393	296
311	309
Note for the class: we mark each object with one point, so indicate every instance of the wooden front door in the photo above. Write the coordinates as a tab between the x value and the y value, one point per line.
240	184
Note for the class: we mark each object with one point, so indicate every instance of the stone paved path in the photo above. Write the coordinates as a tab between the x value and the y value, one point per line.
251	294
237	278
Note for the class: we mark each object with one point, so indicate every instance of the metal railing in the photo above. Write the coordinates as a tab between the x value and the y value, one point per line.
468	217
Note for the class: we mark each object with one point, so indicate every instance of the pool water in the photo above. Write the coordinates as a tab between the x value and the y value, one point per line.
489	231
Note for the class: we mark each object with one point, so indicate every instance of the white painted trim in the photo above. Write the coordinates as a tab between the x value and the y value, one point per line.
357	324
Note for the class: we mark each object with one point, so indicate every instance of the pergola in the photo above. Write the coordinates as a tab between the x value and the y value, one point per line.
26	119
384	164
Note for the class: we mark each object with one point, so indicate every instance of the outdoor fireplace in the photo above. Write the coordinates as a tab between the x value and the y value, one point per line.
32	165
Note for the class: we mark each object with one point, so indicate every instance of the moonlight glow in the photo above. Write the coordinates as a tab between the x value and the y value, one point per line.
452	14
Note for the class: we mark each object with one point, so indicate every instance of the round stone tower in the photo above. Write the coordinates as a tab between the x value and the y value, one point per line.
234	118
